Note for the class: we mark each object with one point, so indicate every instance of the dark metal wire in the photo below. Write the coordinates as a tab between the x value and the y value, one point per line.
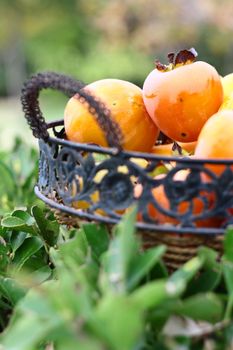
105	182
85	215
70	87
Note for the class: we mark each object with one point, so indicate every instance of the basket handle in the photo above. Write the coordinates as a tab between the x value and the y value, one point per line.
70	87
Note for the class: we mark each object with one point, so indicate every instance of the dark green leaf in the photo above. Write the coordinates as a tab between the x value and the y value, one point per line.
17	238
206	281
15	223
158	315
228	244
207	307
4	256
12	222
228	275
49	230
143	264
210	276
23	215
97	237
36	262
10	290
29	247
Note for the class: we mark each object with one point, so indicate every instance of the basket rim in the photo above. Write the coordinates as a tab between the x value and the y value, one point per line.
163	229
134	154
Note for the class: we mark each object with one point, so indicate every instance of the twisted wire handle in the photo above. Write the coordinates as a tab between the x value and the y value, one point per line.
70	87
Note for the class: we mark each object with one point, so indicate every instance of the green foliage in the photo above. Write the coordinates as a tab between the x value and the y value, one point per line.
95	291
83	288
19	171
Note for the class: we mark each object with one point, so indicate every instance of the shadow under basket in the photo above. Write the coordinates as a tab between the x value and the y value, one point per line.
82	182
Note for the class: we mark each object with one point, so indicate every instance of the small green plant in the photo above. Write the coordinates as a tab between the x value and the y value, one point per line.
85	289
25	242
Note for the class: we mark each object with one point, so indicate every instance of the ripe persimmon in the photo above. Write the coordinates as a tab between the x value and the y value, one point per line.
216	139
227	83
227	103
163	201
124	100
181	97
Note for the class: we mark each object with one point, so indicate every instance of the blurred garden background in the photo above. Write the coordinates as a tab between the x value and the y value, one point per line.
97	39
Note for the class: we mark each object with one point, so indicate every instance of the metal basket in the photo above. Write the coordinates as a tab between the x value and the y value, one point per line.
88	182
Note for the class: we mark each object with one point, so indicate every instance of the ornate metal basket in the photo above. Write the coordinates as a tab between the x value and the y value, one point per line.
87	182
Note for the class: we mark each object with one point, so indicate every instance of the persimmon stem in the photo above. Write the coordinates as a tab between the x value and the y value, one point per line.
181	58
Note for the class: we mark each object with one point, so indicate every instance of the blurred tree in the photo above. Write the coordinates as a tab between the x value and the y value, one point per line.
12	57
108	38
165	25
46	30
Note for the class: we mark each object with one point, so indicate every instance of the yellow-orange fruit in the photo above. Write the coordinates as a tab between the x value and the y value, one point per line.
124	100
216	139
227	84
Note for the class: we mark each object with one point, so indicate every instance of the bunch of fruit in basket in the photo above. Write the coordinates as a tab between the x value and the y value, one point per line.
186	101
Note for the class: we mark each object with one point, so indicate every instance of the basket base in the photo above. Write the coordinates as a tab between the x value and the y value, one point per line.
180	247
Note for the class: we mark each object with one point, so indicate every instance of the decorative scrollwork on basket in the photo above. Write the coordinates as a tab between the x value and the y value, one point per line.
105	186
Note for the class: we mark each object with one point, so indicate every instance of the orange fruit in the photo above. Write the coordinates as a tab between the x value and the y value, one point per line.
167	149
216	139
227	84
182	96
161	198
227	103
124	100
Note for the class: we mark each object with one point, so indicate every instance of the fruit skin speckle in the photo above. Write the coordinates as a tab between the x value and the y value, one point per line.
181	100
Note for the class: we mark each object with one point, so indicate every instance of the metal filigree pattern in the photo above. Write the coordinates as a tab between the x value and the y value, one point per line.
93	182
